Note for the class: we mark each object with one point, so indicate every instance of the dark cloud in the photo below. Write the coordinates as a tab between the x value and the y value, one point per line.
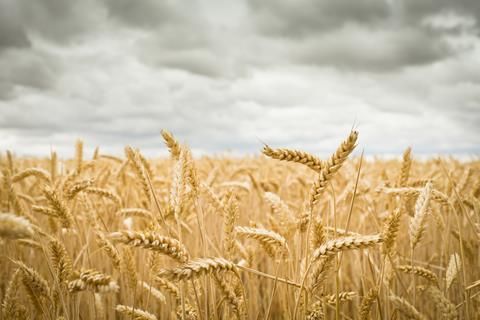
224	75
12	32
356	48
145	14
374	35
286	18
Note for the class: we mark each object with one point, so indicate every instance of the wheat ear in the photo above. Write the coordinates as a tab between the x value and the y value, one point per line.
109	249
421	272
59	206
390	231
62	264
405	170
332	166
453	269
269	239
229	231
134	313
94	280
367	303
14	227
343	244
172	144
418	222
35	285
11	308
198	267
152	241
445	306
297	156
139	170
406	308
36	172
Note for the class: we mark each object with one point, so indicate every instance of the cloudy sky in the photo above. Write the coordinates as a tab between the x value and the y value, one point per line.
228	75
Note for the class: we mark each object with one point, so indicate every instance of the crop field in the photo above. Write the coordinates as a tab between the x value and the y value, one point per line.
282	235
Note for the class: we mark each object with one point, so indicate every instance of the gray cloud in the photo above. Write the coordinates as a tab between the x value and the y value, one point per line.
12	32
229	76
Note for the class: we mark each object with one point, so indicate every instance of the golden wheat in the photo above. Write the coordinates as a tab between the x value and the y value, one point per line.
107	237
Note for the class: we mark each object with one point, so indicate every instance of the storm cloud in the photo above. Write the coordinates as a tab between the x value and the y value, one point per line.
227	76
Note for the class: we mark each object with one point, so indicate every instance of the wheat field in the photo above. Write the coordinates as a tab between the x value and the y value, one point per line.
283	235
